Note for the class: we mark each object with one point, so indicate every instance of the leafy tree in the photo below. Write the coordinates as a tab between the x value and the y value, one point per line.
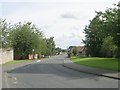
5	29
58	50
50	45
108	47
100	27
64	50
25	38
72	50
75	51
93	37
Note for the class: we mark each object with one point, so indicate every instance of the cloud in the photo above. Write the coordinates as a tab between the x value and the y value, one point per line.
68	16
72	39
65	21
75	28
58	0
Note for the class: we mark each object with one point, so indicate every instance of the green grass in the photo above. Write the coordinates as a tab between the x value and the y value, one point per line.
19	61
15	62
104	63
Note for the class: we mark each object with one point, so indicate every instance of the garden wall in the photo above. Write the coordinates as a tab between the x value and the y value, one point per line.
6	55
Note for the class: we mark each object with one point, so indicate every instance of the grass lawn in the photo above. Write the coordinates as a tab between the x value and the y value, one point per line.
104	63
15	61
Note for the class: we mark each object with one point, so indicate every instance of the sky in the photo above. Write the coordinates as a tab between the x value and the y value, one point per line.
63	19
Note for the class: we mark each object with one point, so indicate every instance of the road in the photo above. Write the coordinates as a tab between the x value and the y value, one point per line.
51	73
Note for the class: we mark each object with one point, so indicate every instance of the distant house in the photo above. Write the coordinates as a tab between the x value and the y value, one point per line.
80	50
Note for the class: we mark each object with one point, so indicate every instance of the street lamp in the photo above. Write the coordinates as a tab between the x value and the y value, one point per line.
33	50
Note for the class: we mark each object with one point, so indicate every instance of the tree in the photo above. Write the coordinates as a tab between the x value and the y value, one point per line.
75	51
58	50
50	46
100	27
25	38
70	51
64	50
108	47
93	36
5	29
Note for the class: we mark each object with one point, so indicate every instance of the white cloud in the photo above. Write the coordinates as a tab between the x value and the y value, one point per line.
47	16
69	40
86	1
0	9
69	16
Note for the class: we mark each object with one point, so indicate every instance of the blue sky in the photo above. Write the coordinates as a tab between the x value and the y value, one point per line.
63	19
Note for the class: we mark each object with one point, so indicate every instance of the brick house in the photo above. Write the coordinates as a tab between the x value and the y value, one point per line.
80	50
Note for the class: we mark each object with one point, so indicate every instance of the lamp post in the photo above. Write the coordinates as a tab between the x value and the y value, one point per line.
33	50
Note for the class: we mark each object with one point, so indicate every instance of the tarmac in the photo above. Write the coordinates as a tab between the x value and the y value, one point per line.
69	64
96	71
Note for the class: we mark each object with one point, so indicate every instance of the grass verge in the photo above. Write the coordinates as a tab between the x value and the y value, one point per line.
15	62
20	61
103	63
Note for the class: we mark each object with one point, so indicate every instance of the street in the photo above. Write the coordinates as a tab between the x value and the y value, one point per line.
50	73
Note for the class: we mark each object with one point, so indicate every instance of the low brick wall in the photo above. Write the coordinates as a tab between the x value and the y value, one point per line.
6	55
18	57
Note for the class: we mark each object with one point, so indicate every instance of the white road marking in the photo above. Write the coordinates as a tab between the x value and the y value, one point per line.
15	82
15	78
39	61
12	68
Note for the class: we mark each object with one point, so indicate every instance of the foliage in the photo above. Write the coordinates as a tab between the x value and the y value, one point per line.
24	38
64	50
58	50
72	50
5	28
50	46
75	51
108	47
97	32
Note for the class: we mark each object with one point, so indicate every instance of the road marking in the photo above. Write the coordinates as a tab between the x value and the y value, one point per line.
12	68
29	63
39	61
15	82
15	78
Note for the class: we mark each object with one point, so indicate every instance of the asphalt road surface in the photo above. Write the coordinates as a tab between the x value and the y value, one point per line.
51	73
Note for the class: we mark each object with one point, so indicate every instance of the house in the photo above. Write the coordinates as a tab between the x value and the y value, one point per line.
80	50
77	50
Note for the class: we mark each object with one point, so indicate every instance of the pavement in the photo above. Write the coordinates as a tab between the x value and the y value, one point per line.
101	72
9	67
